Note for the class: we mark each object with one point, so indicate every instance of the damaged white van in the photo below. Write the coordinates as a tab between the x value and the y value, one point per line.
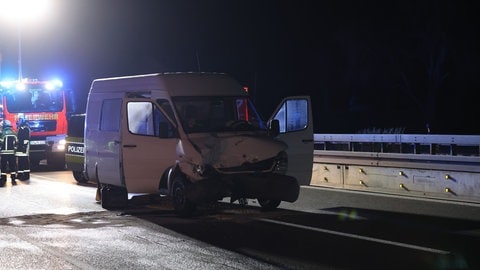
196	137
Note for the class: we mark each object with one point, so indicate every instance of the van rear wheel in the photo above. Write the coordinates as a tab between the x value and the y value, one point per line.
113	197
268	205
183	207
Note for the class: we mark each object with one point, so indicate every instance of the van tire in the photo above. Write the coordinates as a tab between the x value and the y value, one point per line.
183	207
113	197
268	205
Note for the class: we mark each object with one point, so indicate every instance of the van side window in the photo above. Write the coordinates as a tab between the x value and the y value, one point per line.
146	119
111	113
293	115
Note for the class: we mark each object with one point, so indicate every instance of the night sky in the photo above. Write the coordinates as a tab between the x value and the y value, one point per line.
368	65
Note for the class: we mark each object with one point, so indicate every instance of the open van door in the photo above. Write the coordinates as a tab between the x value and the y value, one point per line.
149	144
296	129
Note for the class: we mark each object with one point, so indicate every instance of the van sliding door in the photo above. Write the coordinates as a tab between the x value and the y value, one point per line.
108	143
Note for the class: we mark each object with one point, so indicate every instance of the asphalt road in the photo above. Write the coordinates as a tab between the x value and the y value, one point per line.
51	222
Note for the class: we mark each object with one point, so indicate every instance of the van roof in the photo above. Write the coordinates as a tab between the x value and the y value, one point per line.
177	84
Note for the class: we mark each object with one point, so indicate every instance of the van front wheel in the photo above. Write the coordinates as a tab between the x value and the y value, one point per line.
183	207
268	205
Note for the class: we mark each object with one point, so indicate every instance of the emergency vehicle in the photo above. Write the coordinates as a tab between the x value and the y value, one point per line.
74	147
43	105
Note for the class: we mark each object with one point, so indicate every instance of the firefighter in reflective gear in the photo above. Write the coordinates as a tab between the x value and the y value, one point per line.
8	143
23	150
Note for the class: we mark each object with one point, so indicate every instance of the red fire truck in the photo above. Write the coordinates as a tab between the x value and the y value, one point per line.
43	105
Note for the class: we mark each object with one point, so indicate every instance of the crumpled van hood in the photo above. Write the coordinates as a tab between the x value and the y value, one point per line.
235	150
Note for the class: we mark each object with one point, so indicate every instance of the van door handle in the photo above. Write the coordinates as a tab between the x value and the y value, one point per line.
130	145
307	140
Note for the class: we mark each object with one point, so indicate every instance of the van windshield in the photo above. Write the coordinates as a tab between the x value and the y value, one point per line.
217	114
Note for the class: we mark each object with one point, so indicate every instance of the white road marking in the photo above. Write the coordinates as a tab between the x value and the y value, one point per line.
355	236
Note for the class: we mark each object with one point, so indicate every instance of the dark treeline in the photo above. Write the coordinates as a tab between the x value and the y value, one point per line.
368	65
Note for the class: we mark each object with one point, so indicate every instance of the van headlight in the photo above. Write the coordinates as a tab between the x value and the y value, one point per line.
281	163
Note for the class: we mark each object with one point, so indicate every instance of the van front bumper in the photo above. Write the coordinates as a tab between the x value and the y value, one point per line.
269	186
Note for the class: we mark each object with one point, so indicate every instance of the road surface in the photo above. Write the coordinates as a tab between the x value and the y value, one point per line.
51	222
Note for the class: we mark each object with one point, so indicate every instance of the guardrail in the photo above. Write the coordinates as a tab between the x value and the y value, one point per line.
430	166
401	143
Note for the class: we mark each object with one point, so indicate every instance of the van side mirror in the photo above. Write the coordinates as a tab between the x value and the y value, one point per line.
273	127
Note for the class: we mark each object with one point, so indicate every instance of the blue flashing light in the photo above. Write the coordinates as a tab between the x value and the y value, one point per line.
57	83
53	84
6	84
21	86
49	86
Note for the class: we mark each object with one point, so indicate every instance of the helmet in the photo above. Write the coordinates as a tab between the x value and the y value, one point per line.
20	121
6	123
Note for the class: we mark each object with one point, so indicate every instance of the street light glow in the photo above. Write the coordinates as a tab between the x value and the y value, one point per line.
23	10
